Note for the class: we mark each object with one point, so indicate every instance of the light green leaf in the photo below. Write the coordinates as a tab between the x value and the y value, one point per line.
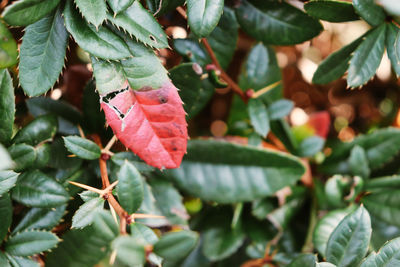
358	162
81	147
42	128
393	46
388	255
129	187
7	106
349	242
389	182
102	43
259	118
119	5
5	159
86	213
36	189
109	76
331	10
304	260
7	181
279	109
4	261
16	261
137	21
277	23
25	12
367	57
310	146
228	173
30	243
88	195
6	214
23	155
384	205
94	11
369	11
203	15
42	54
325	264
130	250
8	48
175	246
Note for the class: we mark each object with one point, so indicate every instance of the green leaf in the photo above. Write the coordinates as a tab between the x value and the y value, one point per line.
369	11
336	64
7	106
367	57
4	261
349	242
35	189
21	261
94	11
325	227
6	214
228	173
43	155
383	182
42	128
203	15
333	11
325	264
149	206
102	43
358	162
260	208
143	233
93	120
8	48
119	5
194	91
390	6
192	51
109	75
137	21
7	181
105	224
304	260
5	159
40	218
23	155
81	147
60	157
276	23
129	187
393	46
159	7
310	146
42	54
259	118
129	250
175	246
88	195
384	205
86	213
280	109
25	12
30	243
388	255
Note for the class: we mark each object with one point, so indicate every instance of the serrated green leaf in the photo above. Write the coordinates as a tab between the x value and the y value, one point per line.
144	233
393	46
304	260
23	156
102	43
259	118
36	189
81	147
88	195
349	242
310	146
8	48
7	181
333	11
109	76
119	5
129	250
25	12
6	213
384	205
4	261
40	218
7	106
137	21
21	261
276	23
129	187
94	11
30	243
203	15
104	222
280	109
367	57
369	11
388	255
175	246
194	91
336	64
42	128
358	162
86	213
42	54
228	173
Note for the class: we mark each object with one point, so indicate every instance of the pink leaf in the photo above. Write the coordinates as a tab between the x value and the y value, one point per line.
149	122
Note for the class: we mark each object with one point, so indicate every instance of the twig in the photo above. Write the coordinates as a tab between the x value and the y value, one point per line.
182	12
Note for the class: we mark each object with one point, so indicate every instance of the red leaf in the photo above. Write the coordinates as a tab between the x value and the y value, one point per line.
149	122
321	122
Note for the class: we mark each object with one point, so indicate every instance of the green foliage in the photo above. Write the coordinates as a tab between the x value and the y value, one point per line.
81	147
203	15
130	187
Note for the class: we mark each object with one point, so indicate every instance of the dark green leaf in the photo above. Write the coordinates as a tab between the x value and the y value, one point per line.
5	159
383	182
367	57
94	120
259	118
7	106
227	173
30	243
42	54
276	23
42	128
94	11
129	187
86	213
279	109
119	159
60	157
388	255
349	242
43	155
358	162
203	15
130	250
102	43
304	260
310	146
336	64
369	11
260	208
331	10
191	50
6	213
81	147
194	91
36	189
393	46
8	48
119	5
159	7
23	155
175	246
7	181
384	205
25	12
137	21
